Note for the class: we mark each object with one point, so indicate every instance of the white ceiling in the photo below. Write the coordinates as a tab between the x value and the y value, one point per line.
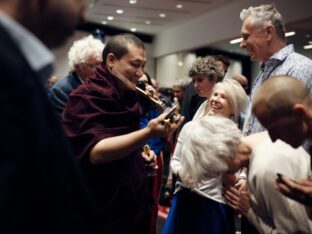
136	16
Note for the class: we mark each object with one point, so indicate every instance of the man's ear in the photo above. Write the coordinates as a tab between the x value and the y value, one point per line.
110	60
77	68
300	110
269	32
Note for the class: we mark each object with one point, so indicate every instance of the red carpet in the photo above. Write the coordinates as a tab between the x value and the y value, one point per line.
163	212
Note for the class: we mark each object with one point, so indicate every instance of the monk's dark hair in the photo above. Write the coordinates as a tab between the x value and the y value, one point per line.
118	45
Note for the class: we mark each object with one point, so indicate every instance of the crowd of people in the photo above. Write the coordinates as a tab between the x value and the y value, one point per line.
89	153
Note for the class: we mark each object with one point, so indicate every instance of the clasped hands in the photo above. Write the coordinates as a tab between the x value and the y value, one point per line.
237	197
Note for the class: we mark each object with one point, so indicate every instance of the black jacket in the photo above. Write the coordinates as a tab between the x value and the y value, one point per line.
41	189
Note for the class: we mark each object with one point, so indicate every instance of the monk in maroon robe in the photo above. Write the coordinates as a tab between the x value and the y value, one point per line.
102	121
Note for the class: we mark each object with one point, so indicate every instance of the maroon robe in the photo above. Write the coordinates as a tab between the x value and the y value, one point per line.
95	111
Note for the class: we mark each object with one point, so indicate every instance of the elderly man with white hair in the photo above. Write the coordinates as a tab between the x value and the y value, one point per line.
83	57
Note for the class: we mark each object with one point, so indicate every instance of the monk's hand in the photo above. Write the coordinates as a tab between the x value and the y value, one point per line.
163	127
150	158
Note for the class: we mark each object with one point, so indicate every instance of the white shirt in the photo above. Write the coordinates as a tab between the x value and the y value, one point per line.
210	188
271	211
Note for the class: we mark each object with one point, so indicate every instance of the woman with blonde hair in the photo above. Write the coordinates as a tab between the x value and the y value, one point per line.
198	206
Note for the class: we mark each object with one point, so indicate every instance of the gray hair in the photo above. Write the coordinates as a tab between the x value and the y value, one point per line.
264	15
209	141
84	49
206	66
235	94
180	83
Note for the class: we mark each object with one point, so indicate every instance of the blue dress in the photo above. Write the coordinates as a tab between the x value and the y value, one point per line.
195	214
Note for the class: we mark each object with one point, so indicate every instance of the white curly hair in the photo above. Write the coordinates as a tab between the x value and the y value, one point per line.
208	142
84	49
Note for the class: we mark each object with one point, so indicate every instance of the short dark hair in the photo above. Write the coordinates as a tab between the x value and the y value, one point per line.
223	59
118	45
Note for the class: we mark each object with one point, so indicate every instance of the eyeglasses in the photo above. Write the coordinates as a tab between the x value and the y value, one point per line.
92	65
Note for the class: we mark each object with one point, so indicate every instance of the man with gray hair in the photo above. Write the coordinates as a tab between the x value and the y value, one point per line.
263	34
263	37
178	89
83	57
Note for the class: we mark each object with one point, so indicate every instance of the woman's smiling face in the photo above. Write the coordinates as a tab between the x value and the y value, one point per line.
219	104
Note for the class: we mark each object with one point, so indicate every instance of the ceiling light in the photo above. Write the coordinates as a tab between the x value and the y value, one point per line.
147	22
307	47
179	6
162	15
91	5
235	41
289	34
119	11
180	64
104	22
133	29
110	17
132	1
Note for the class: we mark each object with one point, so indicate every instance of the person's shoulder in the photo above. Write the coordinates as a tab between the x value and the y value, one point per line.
67	83
93	88
11	54
300	58
278	156
298	66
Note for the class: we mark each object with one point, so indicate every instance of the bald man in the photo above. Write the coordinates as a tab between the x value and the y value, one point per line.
283	105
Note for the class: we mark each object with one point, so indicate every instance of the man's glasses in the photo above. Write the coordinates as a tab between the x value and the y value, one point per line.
92	65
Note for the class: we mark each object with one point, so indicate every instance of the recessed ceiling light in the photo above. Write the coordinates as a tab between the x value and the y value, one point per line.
133	29
235	41
180	64
104	22
119	11
289	34
162	15
110	17
91	5
307	47
147	22
179	6
132	1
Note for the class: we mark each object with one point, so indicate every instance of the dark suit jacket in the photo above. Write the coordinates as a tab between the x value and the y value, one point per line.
190	104
41	190
59	93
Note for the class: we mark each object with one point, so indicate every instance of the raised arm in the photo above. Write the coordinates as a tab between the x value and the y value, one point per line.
114	148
